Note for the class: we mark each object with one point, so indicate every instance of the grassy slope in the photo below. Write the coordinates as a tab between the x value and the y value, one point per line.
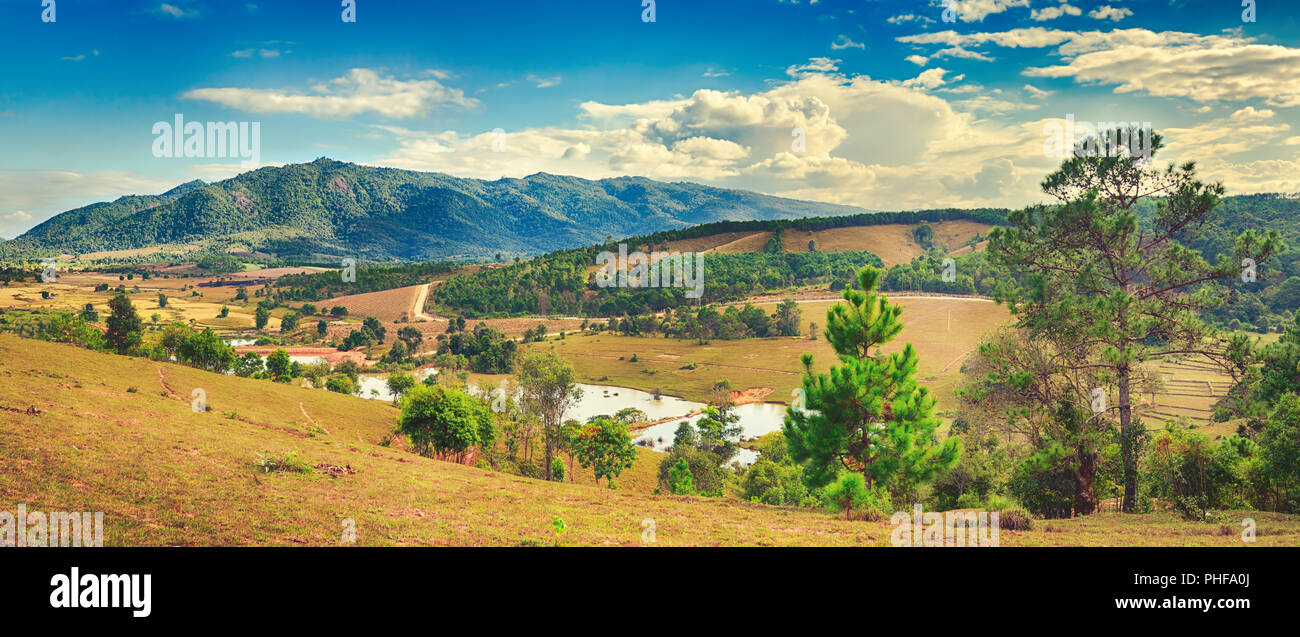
165	475
774	362
893	243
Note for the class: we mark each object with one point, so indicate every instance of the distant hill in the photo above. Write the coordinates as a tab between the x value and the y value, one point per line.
328	208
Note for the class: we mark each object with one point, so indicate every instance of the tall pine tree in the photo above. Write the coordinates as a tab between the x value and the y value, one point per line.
1126	289
868	415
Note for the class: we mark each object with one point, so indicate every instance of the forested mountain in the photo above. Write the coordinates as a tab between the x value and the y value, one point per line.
328	208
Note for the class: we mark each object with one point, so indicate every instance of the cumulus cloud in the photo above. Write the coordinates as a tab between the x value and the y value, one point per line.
909	17
959	52
1036	92
1052	13
1203	68
871	143
929	141
929	78
360	91
814	65
977	10
1107	12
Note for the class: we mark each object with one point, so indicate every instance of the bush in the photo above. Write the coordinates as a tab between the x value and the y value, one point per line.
291	462
1191	472
779	484
850	495
1044	483
680	480
1016	519
708	477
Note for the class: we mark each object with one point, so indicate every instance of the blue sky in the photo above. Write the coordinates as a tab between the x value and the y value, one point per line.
896	107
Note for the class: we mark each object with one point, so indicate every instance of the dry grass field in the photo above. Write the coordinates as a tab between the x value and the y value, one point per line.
893	243
388	305
944	330
118	435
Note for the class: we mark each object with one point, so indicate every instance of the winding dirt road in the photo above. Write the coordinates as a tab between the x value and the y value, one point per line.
417	308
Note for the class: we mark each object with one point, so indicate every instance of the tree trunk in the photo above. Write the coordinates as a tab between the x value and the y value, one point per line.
1085	497
1127	439
550	452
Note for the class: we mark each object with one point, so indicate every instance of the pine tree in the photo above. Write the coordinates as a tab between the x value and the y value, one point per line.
868	415
1126	289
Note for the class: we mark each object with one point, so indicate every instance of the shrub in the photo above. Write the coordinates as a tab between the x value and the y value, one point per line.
1191	472
1016	519
291	462
779	484
680	480
850	493
1044	484
708	477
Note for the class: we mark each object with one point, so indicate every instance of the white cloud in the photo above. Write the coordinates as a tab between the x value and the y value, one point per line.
1168	64
173	11
360	91
248	53
960	52
1108	12
1251	114
78	58
870	143
845	42
909	17
814	65
928	141
929	78
918	60
1052	13
977	10
545	82
1037	92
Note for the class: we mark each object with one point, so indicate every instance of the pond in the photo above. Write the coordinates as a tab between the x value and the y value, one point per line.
756	419
376	385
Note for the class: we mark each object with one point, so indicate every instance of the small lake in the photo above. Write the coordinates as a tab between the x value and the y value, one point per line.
756	419
376	385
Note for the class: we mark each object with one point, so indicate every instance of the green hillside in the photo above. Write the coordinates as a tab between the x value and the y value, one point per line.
335	209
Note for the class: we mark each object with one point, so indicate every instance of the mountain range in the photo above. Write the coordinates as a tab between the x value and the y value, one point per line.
331	209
